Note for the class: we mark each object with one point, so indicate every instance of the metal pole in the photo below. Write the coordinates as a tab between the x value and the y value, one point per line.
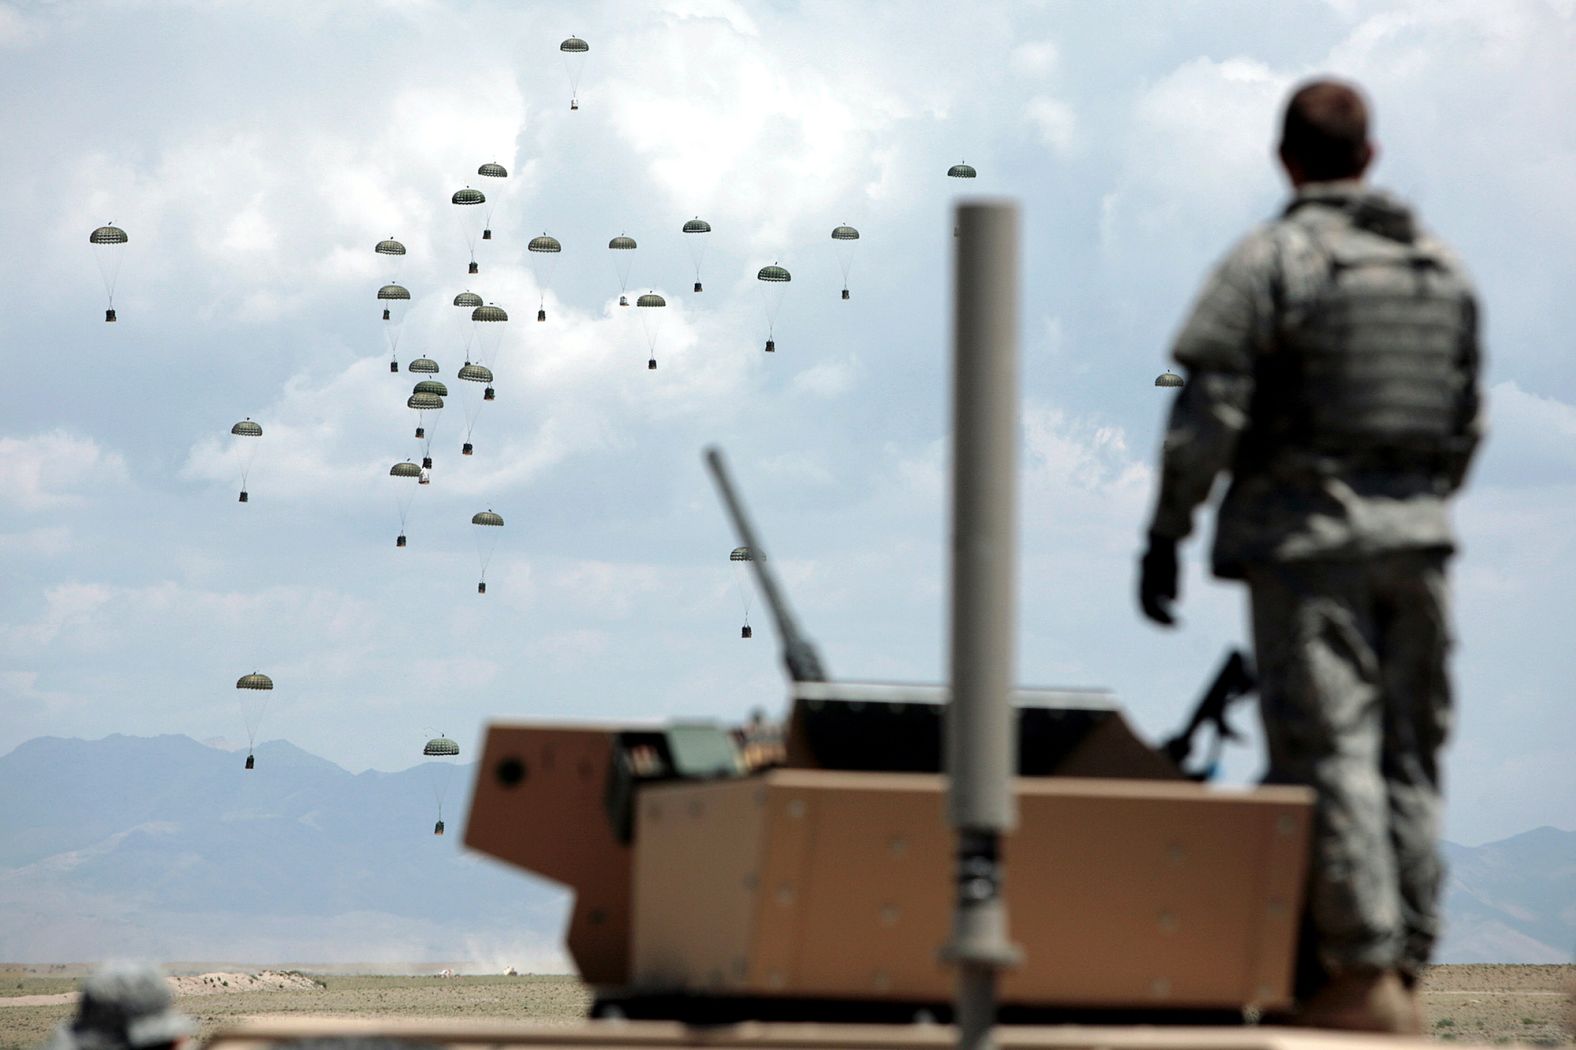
980	745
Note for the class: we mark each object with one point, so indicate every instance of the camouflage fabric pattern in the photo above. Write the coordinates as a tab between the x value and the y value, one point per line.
1356	703
1344	559
1319	508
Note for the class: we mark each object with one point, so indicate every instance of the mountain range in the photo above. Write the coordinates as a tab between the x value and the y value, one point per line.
163	847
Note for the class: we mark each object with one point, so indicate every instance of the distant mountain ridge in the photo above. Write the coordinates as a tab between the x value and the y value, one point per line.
1513	900
167	848
164	847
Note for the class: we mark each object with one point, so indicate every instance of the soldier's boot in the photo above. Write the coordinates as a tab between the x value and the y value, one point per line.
1362	1001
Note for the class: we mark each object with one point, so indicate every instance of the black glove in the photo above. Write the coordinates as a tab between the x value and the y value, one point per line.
1157	579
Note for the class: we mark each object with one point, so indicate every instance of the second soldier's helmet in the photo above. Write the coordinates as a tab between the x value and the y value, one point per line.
123	1006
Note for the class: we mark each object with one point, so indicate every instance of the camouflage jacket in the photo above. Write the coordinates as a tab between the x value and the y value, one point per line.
1325	509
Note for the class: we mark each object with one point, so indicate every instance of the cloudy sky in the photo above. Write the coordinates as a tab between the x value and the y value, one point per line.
255	153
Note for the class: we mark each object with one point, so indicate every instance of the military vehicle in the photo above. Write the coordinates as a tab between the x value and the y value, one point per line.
799	885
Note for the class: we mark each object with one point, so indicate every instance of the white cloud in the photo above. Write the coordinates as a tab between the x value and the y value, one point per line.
45	541
1531	439
66	604
57	470
1055	122
826	379
16	28
1035	58
1199	146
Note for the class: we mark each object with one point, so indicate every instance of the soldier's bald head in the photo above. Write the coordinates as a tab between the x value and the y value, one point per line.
1325	132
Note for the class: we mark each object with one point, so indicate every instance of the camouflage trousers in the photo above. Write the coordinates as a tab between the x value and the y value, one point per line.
1355	698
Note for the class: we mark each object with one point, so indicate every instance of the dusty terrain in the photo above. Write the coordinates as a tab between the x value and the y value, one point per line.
1467	1004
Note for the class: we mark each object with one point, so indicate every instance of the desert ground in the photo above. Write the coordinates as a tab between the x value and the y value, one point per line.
1478	1004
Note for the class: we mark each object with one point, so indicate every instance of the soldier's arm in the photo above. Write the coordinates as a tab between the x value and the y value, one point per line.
1230	325
1471	428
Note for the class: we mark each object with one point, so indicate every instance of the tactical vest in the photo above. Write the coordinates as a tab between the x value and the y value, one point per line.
1376	365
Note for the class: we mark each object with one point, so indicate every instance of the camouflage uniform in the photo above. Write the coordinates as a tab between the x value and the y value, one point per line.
1342	540
123	1006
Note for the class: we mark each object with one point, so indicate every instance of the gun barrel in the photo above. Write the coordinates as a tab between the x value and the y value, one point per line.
799	653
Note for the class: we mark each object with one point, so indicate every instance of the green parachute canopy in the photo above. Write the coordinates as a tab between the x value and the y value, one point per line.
544	243
745	554
489	313
431	386
1168	378
961	171
393	291
254	681
575	46
424	401
651	299
470	299
493	171
486	517
390	247
475	373
406	469
774	273
845	233
441	746
108	235
622	243
469	196
697	225
423	364
246	428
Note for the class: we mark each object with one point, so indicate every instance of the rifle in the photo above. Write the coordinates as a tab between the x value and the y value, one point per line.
1233	681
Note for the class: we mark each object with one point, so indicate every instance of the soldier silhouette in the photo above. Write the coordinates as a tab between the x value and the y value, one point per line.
1332	371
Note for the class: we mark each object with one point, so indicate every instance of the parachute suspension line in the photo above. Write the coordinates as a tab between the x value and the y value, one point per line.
574	51
109	243
486	543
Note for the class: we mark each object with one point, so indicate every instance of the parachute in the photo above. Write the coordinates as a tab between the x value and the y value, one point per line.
961	171
395	298
621	247
389	247
491	170
843	238
247	429
424	365
487	325
472	398
1168	378
741	579
254	691
699	232
544	251
574	51
468	301
445	750
473	218
648	306
486	541
423	402
406	469
774	280
109	248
